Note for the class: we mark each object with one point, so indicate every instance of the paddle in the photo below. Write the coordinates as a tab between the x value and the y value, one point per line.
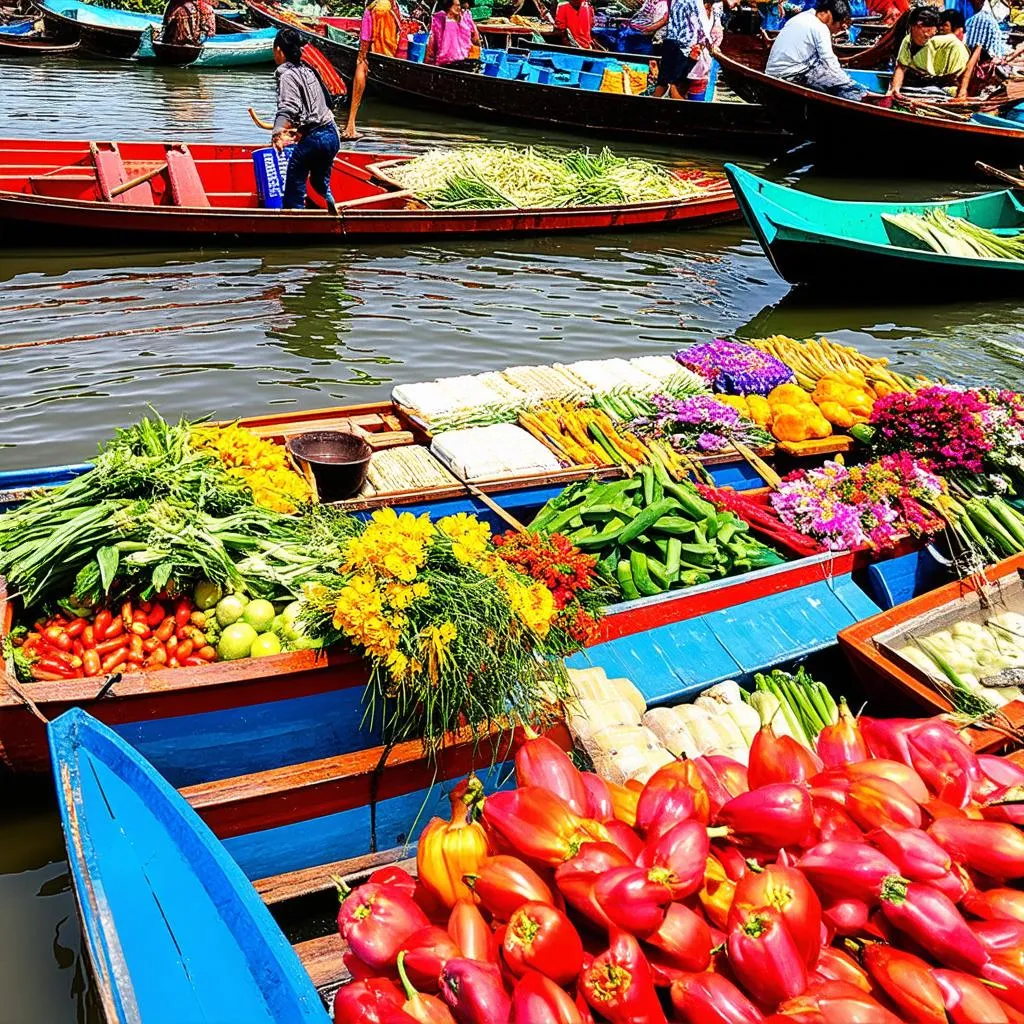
126	186
267	126
995	172
489	502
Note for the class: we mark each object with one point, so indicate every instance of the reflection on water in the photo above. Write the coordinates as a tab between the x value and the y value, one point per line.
90	338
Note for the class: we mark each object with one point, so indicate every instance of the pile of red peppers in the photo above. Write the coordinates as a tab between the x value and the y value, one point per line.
871	882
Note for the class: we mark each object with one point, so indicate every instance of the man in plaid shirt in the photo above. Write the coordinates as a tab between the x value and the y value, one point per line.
983	30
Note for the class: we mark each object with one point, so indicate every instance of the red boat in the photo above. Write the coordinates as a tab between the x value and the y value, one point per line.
179	192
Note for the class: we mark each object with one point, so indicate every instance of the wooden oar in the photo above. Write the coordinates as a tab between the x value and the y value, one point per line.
126	186
267	126
995	172
489	502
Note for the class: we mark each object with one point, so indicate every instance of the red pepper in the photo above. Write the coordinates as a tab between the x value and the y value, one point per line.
907	980
676	859
426	951
835	1002
469	931
764	957
733	860
841	743
631	900
842	870
375	920
624	801
892	771
505	883
933	922
846	917
876	802
619	984
786	890
995	904
395	876
832	822
182	612
577	877
538	1000
770	818
109	646
75	628
364	1002
967	1000
156	615
675	792
599	798
541	938
732	774
423	1008
835	965
56	636
101	622
779	759
474	992
993	848
622	836
712	999
684	938
539	824
541	762
1004	941
916	855
718	793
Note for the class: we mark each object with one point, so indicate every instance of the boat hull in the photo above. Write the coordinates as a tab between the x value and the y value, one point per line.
873	138
719	124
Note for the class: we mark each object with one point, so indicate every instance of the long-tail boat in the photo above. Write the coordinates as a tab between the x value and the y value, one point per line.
188	194
873	137
238	47
100	31
809	239
716	123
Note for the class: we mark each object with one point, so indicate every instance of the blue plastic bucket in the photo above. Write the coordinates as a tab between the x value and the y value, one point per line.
270	168
418	47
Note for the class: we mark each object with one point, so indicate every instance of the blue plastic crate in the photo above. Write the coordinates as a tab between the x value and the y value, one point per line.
536	74
511	67
493	56
591	80
565	78
270	168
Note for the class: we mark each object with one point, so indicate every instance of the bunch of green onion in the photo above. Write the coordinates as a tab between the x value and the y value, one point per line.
955	236
805	703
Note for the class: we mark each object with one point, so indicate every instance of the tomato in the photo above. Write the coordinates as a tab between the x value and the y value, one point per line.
91	663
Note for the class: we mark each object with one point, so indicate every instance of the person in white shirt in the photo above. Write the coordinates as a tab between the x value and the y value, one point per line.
802	51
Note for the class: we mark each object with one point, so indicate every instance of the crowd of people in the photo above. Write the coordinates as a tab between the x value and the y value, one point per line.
942	54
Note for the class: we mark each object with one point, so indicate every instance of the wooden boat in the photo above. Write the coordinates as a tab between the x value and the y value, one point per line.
172	929
100	31
189	194
720	124
867	643
238	48
34	44
809	239
871	137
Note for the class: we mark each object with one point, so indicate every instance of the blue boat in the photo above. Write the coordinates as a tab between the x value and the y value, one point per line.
173	930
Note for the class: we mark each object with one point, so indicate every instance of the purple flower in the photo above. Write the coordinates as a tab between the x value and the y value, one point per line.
732	368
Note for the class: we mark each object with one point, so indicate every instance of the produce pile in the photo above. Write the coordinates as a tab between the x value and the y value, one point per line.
651	534
953	236
405	468
498	177
871	879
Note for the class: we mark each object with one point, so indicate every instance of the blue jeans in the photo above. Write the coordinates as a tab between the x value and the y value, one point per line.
312	158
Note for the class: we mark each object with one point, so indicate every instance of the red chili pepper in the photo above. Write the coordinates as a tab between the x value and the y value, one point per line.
469	931
786	890
770	818
631	900
876	768
967	1000
995	904
907	980
916	855
684	938
835	1002
619	984
364	1002
538	1000
539	824
541	938
541	762
375	920
577	877
933	922
426	952
599	798
423	1008
876	802
712	999
101	622
994	848
676	858
475	993
156	615
504	883
1011	987
764	957
779	759
675	792
1004	941
718	793
112	661
44	667
842	870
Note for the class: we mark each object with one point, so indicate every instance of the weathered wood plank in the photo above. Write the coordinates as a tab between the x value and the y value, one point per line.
290	885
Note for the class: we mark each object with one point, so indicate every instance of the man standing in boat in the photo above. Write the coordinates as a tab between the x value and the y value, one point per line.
802	52
574	19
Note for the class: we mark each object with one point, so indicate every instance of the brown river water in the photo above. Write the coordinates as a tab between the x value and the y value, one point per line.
90	337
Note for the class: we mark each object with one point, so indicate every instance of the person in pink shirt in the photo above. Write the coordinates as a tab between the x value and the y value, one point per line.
453	36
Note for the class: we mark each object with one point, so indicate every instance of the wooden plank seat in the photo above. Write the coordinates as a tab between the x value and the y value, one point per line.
186	186
111	173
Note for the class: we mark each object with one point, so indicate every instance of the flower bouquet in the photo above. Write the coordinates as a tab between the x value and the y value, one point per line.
734	368
456	634
699	423
873	505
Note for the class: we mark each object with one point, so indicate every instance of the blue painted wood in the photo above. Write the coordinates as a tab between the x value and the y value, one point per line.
189	749
347	833
899	579
678	660
46	476
174	930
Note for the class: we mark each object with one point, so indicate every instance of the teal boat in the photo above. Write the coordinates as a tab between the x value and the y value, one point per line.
233	49
811	240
